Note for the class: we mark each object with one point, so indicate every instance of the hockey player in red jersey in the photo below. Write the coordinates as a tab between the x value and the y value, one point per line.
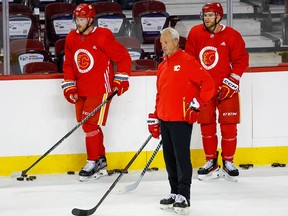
221	51
89	79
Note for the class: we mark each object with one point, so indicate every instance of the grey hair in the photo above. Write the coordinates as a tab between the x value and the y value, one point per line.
173	32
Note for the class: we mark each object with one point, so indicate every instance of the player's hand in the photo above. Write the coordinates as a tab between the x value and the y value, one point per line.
228	88
192	110
153	125
121	83
70	91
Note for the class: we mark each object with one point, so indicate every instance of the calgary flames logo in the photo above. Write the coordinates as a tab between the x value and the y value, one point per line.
84	60
209	57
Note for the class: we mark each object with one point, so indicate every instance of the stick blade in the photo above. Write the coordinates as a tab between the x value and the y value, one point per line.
17	174
128	188
79	212
83	212
120	190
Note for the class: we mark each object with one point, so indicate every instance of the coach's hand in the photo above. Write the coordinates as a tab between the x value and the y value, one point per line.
153	125
192	110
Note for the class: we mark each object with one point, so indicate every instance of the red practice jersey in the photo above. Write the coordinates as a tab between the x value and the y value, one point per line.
221	53
88	60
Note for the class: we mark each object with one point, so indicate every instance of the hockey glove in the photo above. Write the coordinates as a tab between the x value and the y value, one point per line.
192	110
70	91
229	87
121	83
153	125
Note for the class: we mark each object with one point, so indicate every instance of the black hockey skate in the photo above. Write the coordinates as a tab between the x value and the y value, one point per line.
93	169
167	203
210	170
181	205
230	172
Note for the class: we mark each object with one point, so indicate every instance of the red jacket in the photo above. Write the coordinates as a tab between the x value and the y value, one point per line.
88	60
180	78
220	54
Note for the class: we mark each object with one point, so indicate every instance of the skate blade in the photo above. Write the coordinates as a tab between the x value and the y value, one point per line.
182	211
101	173
212	175
95	176
166	207
230	178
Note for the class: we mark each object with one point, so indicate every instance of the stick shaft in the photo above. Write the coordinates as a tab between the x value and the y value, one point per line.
135	184
70	132
78	212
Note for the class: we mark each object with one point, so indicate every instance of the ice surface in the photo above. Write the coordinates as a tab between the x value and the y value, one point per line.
259	191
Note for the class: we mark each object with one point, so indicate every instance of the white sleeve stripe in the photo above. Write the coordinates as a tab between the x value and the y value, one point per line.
68	84
121	77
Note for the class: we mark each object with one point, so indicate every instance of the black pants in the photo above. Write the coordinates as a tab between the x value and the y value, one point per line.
176	138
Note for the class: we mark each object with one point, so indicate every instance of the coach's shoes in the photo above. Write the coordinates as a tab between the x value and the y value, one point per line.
167	203
181	205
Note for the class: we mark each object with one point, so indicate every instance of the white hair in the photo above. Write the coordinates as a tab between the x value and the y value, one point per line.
173	32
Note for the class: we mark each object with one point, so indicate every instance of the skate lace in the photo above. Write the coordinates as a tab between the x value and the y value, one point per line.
208	164
172	195
101	163
229	166
180	199
89	166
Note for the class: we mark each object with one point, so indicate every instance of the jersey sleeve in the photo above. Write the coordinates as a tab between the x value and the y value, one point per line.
68	63
115	51
239	55
190	43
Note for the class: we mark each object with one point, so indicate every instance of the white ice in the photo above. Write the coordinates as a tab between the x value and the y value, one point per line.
259	191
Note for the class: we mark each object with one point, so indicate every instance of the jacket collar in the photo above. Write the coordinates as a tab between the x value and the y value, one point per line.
175	55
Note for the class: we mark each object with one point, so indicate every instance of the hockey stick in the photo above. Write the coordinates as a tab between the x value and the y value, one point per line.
131	187
82	212
23	173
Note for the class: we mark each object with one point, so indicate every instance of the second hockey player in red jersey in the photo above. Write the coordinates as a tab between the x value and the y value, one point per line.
89	78
221	51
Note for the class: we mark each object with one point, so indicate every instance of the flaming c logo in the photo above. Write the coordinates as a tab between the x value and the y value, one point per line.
84	60
209	57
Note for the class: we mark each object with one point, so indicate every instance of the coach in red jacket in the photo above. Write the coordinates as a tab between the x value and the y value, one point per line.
183	88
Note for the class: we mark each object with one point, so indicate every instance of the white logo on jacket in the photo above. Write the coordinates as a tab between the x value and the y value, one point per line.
177	67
